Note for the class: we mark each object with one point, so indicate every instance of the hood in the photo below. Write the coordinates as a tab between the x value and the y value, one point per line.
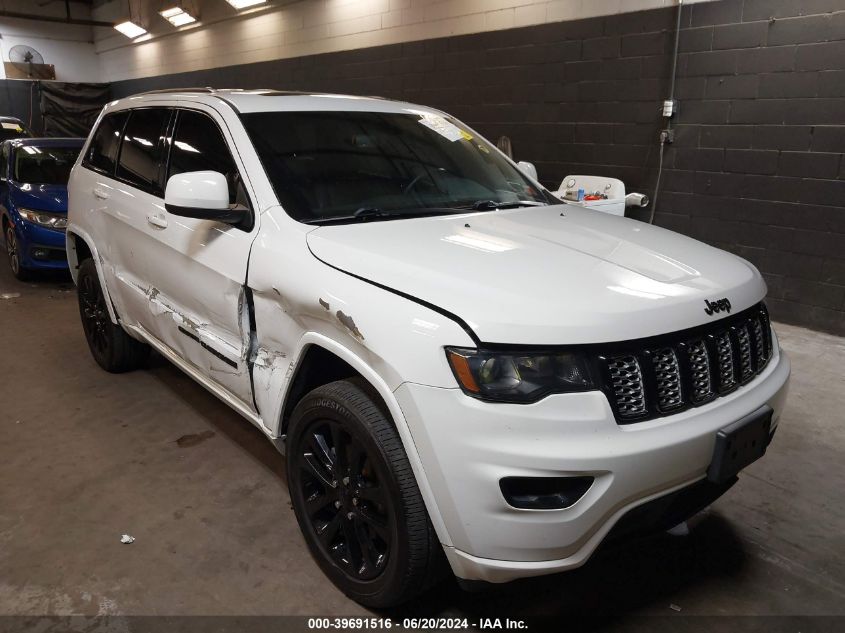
51	198
546	276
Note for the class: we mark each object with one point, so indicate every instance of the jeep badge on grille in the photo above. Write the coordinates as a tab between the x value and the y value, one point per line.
720	305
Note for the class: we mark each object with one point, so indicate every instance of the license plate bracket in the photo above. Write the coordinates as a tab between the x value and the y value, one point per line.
740	444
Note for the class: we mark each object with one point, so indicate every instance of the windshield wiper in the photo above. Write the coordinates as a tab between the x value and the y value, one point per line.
369	213
491	205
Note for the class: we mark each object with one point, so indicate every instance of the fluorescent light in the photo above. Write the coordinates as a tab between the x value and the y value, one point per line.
130	29
177	16
182	19
243	4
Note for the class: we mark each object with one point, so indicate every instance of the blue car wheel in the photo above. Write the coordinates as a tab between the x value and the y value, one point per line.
14	254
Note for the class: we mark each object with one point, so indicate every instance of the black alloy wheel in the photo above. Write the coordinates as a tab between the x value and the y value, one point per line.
95	315
13	253
356	499
347	504
112	348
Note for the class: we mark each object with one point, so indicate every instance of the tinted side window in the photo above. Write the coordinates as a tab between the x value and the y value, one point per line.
102	152
198	145
142	149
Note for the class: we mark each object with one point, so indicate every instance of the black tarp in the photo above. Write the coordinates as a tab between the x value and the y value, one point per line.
19	98
70	109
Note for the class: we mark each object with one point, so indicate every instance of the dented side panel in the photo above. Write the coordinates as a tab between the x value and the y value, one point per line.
298	299
179	280
198	270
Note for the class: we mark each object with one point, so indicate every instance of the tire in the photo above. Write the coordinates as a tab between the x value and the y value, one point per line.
359	509
13	255
112	348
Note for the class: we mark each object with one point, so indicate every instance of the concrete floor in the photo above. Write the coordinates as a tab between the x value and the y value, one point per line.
86	456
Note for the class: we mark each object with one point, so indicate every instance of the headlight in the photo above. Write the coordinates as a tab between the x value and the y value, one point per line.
44	218
517	377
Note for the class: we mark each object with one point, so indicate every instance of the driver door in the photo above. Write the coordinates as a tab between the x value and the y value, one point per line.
197	268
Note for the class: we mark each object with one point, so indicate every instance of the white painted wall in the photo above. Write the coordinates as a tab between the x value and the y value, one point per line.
224	38
69	47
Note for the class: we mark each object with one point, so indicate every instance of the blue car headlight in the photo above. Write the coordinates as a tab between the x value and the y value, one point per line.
44	218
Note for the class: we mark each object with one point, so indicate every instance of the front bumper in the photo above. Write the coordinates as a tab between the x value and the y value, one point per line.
466	446
40	247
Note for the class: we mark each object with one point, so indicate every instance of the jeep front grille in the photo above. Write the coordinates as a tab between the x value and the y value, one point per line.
746	370
699	362
649	378
668	379
727	372
627	385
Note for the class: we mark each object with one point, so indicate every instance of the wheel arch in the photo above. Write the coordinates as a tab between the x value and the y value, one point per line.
315	347
79	247
5	219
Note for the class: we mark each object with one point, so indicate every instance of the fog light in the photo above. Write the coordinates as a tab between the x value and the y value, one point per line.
544	493
40	253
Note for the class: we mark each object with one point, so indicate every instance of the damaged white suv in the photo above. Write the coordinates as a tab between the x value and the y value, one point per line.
453	360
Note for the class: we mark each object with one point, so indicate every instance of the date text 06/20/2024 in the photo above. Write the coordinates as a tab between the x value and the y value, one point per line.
416	624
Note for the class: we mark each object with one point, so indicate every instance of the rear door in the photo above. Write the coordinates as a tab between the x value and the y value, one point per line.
113	211
197	269
128	197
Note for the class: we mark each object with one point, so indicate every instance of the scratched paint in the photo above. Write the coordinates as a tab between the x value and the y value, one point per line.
349	324
268	358
158	306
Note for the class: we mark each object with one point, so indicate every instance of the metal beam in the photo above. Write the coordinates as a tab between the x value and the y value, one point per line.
50	18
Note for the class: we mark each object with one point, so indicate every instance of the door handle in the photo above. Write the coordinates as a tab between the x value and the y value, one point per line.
100	193
157	220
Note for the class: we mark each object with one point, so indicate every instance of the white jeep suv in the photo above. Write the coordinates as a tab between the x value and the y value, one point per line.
453	360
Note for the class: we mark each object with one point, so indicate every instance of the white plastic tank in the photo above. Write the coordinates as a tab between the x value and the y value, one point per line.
599	193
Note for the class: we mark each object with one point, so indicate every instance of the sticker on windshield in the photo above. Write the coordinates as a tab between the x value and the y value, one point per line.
12	126
444	128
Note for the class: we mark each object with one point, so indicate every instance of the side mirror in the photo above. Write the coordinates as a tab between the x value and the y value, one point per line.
528	169
203	195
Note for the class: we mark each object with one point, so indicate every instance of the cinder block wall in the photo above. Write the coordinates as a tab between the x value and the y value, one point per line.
294	28
757	164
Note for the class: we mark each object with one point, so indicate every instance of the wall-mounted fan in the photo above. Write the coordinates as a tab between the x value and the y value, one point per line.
28	63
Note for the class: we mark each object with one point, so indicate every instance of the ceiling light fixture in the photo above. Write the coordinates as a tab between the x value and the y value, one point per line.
243	4
130	29
177	16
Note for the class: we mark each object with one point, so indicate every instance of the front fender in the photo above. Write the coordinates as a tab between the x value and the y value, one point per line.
380	385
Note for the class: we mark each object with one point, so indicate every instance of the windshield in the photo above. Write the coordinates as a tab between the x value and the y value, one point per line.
355	165
44	165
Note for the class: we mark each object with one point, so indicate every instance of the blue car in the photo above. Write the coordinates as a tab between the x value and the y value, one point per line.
33	201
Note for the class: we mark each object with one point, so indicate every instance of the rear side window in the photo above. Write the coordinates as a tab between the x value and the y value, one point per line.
142	149
198	145
102	151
